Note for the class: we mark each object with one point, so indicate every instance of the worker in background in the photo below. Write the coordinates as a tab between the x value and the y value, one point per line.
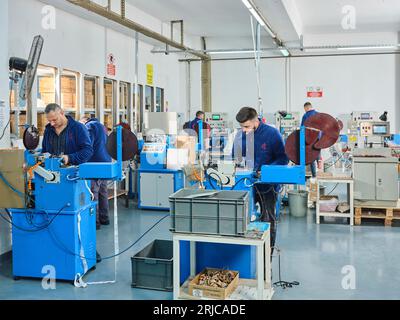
310	111
193	126
260	144
98	137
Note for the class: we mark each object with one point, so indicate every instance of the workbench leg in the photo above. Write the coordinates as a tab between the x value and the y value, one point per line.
176	264
192	259
267	263
260	272
350	193
317	204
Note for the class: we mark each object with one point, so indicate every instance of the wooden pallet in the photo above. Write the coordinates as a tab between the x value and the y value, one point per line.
388	214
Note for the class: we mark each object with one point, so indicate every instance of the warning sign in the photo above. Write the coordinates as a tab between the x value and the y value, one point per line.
111	68
315	92
150	74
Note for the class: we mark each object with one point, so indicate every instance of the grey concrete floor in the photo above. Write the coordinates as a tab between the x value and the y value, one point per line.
317	256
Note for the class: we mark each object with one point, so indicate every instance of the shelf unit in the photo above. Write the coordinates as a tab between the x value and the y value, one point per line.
350	198
258	289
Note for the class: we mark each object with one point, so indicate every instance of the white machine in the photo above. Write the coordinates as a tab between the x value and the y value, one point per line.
366	130
286	122
218	122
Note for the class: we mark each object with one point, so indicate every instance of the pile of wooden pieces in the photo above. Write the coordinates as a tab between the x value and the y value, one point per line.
217	278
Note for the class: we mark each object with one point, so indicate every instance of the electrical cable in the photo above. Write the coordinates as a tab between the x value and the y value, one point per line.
219	178
8	123
115	255
281	283
333	189
29	215
20	194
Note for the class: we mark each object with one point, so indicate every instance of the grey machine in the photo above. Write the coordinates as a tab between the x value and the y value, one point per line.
375	174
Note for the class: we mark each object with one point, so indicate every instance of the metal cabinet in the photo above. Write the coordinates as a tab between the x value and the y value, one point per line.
364	181
165	187
156	187
386	182
376	179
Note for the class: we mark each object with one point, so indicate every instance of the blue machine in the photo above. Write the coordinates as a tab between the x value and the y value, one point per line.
57	231
226	256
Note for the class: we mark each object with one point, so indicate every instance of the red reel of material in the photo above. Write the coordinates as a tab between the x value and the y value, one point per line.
329	127
293	151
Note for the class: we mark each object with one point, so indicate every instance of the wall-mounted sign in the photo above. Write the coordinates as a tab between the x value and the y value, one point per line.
150	74
111	68
315	92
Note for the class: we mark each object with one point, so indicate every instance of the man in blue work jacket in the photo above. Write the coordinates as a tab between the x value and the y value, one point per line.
66	137
310	111
260	144
98	137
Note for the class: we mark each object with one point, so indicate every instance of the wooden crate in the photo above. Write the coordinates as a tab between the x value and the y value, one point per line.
197	290
387	214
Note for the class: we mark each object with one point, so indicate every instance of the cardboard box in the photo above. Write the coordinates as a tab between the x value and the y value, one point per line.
11	167
89	101
22	121
41	122
187	142
197	290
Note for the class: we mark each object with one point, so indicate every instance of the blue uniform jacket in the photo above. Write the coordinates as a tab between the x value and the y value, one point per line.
78	146
269	148
98	136
307	115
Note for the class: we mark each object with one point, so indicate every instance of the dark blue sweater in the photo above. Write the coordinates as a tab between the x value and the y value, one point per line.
307	115
76	146
269	148
98	136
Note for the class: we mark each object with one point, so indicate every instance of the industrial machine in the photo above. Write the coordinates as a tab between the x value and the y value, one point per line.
55	227
375	174
155	181
221	132
367	130
287	122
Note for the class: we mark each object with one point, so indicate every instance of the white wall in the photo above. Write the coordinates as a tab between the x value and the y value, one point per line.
81	45
362	82
5	235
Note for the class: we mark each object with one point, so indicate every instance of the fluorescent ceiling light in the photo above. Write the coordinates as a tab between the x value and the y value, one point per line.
230	52
285	52
367	48
257	15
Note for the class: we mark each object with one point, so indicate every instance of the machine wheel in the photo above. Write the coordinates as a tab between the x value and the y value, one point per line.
16	278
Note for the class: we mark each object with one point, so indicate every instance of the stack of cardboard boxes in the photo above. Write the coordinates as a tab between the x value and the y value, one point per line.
108	95
47	91
68	92
90	92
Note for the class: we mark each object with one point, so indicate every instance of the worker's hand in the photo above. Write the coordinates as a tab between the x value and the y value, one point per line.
65	159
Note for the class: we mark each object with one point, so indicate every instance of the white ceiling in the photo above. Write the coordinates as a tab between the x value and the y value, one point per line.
217	18
230	18
325	16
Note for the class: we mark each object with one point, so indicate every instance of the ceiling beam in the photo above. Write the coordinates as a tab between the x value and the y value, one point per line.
108	14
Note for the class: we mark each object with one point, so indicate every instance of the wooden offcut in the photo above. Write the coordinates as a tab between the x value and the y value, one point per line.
210	292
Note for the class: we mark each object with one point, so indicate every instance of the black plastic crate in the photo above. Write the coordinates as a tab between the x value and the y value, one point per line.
152	267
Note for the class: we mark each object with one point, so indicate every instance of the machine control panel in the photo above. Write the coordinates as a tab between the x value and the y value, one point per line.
217	121
371	128
358	116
